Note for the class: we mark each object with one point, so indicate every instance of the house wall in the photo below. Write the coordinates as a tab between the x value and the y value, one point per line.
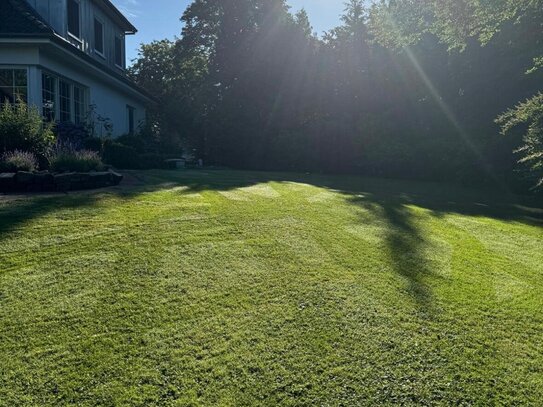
111	30
24	56
108	95
55	12
110	101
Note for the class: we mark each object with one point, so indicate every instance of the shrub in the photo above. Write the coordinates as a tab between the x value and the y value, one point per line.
22	128
137	143
128	158
121	156
69	159
93	144
70	133
15	161
152	162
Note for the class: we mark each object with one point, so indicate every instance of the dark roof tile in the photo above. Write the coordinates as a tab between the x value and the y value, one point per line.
18	17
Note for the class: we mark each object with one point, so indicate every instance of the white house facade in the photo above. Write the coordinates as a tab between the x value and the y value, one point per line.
67	58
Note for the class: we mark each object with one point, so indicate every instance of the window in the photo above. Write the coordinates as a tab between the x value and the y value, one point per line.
63	100
65	93
49	92
98	37
13	85
118	51
131	125
74	26
79	105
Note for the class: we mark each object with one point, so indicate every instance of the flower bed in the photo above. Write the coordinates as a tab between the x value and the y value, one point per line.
47	182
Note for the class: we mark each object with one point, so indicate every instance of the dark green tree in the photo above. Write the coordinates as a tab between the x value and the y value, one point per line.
457	23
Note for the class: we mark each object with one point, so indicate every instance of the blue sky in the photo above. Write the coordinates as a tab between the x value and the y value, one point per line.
158	19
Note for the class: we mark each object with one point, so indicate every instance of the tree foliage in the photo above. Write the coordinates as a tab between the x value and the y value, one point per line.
528	117
401	23
405	88
454	22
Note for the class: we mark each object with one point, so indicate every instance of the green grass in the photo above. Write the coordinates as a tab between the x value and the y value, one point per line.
246	289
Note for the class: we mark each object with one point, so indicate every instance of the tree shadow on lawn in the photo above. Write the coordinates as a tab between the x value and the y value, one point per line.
387	199
440	198
406	246
18	209
406	243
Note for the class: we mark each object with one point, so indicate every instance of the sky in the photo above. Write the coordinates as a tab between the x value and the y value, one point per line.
159	19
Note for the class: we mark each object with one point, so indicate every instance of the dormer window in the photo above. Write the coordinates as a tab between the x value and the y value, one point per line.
74	21
98	37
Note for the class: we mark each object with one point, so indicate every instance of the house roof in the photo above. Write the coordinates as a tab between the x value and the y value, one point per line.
117	15
18	17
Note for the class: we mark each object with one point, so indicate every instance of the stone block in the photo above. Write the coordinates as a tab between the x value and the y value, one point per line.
64	181
44	178
115	178
7	181
24	178
99	179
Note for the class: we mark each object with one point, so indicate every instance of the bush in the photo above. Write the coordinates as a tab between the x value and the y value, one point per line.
15	161
128	158
137	143
22	128
94	144
121	156
152	162
70	133
68	159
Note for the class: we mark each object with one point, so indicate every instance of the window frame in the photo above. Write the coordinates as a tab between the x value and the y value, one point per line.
53	112
79	117
66	101
14	86
131	119
101	22
56	111
71	34
122	59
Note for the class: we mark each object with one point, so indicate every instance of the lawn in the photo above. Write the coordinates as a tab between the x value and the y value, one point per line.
246	289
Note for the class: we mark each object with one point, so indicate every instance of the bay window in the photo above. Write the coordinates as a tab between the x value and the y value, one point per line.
65	94
63	100
79	105
49	97
13	85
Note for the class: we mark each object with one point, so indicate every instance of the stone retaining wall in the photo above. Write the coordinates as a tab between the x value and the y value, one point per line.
48	182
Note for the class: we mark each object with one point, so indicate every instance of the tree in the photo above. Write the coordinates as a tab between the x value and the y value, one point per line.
401	23
528	116
175	78
402	89
301	20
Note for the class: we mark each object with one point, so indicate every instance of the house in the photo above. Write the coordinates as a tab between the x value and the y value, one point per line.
67	57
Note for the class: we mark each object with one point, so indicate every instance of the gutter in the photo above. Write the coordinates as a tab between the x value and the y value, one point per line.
130	29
